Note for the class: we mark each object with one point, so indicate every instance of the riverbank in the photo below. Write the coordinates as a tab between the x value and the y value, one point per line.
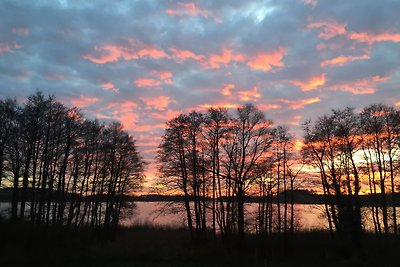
24	245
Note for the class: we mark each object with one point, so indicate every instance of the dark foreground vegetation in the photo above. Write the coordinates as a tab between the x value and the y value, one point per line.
26	245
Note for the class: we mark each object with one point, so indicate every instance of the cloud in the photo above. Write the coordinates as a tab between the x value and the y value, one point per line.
249	95
9	47
182	55
341	60
266	61
365	37
360	86
133	50
226	90
312	83
328	28
159	103
147	82
215	61
158	77
190	9
84	101
110	87
297	104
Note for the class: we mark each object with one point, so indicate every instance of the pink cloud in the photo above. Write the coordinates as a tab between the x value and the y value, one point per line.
158	78
166	115
110	87
135	50
365	37
84	101
191	9
125	112
361	86
266	61
215	61
329	28
9	48
341	60
148	127
147	82
182	55
160	102
163	75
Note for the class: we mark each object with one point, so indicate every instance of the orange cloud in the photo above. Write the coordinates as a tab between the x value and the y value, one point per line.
226	90
359	87
365	37
249	95
296	104
135	50
397	104
265	61
8	48
312	83
268	106
160	102
183	55
84	101
341	60
110	86
330	28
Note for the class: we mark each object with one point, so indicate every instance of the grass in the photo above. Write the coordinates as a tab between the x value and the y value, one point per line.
144	245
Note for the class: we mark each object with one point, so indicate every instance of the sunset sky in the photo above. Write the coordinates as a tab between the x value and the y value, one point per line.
144	62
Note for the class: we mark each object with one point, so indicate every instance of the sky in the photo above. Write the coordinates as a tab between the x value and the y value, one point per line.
144	62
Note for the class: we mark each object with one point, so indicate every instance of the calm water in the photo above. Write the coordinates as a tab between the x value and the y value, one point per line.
307	216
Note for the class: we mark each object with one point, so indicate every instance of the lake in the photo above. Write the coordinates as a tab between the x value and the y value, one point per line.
307	216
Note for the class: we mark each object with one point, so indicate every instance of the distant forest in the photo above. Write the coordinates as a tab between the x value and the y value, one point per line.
67	170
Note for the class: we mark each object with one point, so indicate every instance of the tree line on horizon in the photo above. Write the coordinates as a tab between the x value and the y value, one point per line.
230	156
64	169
